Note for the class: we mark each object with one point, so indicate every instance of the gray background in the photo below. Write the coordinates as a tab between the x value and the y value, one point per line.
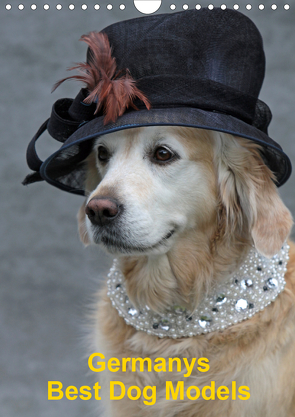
47	278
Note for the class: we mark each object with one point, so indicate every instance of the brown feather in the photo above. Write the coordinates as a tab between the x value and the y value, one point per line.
111	91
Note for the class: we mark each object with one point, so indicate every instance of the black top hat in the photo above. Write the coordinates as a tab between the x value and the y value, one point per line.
199	69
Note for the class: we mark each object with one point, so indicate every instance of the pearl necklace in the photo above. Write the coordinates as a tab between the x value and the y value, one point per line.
254	286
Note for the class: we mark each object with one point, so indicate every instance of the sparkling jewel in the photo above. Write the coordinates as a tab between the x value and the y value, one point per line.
133	312
221	299
164	325
246	283
272	282
204	323
241	305
179	310
257	283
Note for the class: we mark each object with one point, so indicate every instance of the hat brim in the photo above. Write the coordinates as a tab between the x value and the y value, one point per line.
65	168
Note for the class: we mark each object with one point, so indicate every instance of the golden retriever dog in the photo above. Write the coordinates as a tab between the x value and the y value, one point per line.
181	209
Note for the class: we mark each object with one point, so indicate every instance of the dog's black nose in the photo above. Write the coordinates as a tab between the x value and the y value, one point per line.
102	211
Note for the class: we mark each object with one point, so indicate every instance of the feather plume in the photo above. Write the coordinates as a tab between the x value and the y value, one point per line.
113	92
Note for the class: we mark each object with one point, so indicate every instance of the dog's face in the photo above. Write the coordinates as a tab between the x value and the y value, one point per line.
148	187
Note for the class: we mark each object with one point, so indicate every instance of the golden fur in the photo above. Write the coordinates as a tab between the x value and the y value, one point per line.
242	207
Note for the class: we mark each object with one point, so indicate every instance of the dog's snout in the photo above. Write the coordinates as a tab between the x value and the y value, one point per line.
102	211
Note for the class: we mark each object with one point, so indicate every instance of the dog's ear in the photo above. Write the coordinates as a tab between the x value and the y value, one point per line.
273	220
249	195
82	229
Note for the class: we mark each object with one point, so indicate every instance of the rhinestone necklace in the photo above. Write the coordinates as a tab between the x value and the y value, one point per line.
255	285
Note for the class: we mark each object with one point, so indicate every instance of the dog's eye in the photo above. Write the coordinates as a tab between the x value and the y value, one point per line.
163	154
103	154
